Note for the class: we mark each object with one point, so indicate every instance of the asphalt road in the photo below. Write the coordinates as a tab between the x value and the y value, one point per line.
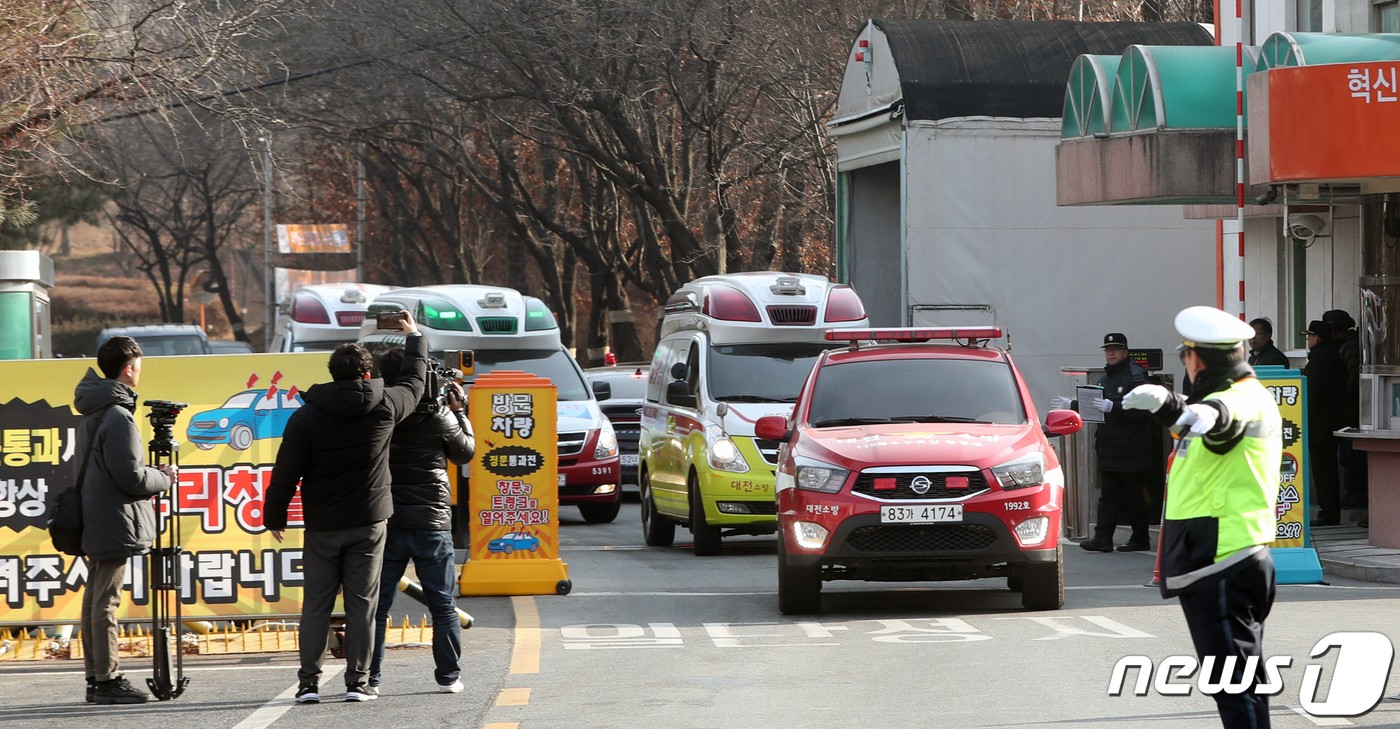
658	637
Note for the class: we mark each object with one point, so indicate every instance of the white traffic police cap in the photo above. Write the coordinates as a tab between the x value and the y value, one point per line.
1207	326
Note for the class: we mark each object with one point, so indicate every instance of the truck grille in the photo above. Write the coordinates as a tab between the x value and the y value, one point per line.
938	485
496	324
768	449
571	444
628	436
922	538
792	315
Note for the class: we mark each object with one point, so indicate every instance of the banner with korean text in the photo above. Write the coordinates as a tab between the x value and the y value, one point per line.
513	488
228	435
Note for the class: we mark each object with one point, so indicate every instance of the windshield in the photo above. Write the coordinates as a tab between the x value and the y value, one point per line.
174	345
557	365
917	391
761	372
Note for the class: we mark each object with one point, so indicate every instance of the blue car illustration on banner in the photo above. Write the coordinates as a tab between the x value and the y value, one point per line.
514	542
248	416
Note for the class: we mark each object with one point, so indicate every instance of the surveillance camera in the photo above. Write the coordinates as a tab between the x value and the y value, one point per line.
1305	226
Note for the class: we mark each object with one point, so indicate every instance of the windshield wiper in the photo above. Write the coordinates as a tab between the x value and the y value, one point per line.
934	419
753	398
836	422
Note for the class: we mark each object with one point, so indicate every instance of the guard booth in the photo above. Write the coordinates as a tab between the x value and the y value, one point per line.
1080	462
25	280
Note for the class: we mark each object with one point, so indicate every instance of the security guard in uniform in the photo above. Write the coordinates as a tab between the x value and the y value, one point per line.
1221	495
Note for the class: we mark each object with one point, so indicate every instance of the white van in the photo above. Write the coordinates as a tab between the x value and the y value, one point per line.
320	318
508	331
732	349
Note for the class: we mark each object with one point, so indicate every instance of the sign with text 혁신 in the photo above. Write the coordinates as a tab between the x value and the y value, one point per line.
513	489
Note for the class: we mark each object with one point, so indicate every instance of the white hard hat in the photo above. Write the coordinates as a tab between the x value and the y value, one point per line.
1207	326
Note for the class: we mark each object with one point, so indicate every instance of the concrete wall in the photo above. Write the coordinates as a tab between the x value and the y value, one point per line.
983	229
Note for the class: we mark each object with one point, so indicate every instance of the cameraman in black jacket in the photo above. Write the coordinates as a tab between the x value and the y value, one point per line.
421	527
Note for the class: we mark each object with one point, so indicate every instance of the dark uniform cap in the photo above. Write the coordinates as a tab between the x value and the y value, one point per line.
1318	327
1114	339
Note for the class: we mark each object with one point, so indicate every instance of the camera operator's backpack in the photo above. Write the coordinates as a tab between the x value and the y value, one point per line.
66	523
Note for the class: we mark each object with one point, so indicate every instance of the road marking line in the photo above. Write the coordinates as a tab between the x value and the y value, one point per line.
282	667
1319	720
265	715
983	587
503	725
525	656
513	697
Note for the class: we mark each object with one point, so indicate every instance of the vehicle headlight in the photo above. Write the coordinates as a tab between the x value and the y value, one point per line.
813	475
223	422
1023	472
607	443
721	452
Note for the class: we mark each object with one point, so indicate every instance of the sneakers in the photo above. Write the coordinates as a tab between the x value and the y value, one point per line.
361	692
1096	545
452	688
307	693
119	691
1132	546
91	691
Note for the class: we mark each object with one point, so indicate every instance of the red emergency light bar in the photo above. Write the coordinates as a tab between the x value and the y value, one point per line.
912	334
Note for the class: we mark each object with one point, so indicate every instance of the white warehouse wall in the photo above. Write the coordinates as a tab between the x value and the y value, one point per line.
982	227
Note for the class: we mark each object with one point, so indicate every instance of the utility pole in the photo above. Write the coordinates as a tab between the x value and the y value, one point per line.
360	214
269	282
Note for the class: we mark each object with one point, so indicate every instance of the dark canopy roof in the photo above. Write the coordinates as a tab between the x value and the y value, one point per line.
1012	68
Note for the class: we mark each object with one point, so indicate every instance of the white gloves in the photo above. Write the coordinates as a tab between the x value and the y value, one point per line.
1200	418
1103	404
1146	397
1061	403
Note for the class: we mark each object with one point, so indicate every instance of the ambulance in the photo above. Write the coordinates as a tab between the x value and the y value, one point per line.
321	317
508	331
732	348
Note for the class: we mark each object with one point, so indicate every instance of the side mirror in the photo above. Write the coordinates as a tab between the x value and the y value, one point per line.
679	371
678	394
1063	422
602	390
772	427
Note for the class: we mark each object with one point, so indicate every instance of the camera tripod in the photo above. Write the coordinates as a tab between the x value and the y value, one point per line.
166	682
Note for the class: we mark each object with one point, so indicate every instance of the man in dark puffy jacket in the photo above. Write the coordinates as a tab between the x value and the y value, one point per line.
421	528
1123	445
1326	374
119	521
337	446
1355	489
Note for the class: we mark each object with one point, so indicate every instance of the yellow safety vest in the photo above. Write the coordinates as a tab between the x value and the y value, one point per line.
1227	497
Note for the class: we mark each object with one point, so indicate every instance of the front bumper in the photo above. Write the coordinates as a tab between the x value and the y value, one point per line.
588	482
862	548
742	501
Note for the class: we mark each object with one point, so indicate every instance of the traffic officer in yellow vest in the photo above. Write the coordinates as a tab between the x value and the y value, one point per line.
1221	495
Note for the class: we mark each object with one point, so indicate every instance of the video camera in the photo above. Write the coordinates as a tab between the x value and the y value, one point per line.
460	364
